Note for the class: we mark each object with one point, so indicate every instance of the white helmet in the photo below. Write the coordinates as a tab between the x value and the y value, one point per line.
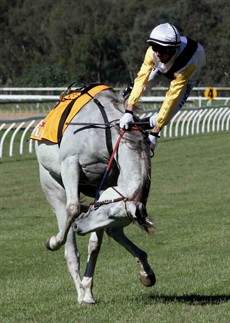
165	35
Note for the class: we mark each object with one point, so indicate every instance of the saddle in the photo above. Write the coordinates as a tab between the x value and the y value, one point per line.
71	102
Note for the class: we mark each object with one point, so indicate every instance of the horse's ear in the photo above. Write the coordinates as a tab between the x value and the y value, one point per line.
142	210
139	214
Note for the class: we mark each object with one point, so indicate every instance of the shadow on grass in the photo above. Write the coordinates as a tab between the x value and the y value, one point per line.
191	299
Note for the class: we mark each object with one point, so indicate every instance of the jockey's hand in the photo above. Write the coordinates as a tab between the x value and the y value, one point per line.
153	135
126	119
127	91
153	142
153	120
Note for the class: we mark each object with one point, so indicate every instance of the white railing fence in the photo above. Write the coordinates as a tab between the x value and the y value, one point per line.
197	121
23	127
155	90
14	133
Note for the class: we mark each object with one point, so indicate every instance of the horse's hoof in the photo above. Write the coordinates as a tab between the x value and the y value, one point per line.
47	244
148	281
51	244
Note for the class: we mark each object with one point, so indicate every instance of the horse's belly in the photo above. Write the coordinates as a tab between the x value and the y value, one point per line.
95	171
92	173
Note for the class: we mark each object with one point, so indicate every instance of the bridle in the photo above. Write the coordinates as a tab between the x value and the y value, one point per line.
97	204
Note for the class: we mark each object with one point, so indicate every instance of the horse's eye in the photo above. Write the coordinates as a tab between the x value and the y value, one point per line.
94	208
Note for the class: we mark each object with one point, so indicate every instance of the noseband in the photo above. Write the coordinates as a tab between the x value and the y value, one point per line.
97	204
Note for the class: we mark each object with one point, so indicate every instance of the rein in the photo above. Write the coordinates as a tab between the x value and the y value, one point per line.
96	203
109	164
134	127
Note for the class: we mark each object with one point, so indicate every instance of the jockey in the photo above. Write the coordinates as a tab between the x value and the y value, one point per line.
178	58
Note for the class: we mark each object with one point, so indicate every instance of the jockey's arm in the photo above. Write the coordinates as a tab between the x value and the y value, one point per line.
141	79
172	101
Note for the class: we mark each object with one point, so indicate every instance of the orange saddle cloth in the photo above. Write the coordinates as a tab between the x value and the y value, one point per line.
63	113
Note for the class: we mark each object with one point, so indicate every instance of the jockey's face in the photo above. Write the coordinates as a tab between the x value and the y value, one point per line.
164	58
163	53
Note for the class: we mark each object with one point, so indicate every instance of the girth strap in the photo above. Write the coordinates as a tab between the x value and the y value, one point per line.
91	90
105	126
108	135
63	119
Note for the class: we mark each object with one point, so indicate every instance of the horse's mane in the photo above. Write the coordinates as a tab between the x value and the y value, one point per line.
139	141
141	144
136	140
114	98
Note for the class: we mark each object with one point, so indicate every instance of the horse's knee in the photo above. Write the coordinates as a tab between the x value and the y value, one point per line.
73	210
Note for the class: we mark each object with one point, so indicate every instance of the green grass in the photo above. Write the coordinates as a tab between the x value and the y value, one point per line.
189	201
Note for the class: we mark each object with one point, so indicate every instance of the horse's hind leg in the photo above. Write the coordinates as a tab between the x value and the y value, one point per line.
56	197
94	247
70	180
147	276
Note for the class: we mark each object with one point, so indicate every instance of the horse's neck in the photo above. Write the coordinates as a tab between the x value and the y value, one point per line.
134	170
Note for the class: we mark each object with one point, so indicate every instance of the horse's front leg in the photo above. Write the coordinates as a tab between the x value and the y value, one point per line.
147	276
94	247
70	179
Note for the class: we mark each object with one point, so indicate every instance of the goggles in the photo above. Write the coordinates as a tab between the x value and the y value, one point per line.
162	49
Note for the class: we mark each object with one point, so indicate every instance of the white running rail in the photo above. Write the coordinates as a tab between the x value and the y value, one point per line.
15	132
11	127
196	121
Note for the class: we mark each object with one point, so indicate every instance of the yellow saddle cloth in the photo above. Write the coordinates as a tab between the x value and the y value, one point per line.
58	118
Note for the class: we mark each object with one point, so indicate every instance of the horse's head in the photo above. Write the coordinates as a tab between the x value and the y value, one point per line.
112	210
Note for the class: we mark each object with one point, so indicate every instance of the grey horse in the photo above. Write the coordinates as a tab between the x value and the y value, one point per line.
77	166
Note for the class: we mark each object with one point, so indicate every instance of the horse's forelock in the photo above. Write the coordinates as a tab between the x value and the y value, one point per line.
141	194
